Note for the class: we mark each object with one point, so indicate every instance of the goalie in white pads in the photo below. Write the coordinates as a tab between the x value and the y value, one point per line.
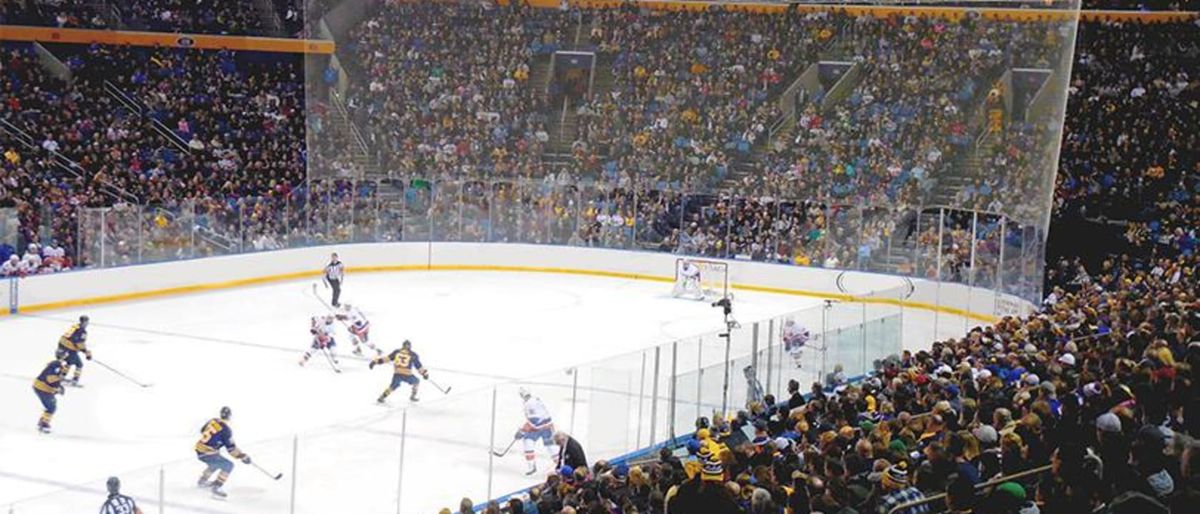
322	330
538	426
688	283
795	337
359	328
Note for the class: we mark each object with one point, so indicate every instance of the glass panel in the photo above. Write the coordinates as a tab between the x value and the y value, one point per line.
561	210
418	208
705	229
845	230
166	232
339	204
122	235
446	211
476	211
365	217
754	227
987	251
264	223
508	212
800	228
216	227
955	246
390	223
607	217
658	218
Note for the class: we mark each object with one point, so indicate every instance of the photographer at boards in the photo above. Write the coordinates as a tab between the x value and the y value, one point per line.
334	273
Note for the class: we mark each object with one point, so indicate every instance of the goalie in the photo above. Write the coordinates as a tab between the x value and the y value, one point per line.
794	339
688	281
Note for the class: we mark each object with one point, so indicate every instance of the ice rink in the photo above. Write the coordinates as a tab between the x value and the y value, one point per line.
240	348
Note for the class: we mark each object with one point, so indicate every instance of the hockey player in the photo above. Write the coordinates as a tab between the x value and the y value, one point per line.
74	342
47	386
359	328
322	330
538	426
404	362
794	339
215	435
689	281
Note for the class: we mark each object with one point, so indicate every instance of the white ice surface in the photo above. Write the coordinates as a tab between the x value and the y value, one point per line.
240	348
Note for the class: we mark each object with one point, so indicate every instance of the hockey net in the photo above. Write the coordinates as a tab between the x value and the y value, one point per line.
714	278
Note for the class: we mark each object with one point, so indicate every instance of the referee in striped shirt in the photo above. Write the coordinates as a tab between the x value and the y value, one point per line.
118	503
334	273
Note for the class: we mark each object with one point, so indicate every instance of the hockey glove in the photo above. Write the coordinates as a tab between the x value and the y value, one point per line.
371	365
425	374
88	355
245	459
518	434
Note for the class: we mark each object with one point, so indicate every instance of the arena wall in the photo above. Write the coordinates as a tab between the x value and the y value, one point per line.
931	309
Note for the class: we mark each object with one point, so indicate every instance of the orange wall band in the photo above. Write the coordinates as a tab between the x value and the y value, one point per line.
163	39
952	13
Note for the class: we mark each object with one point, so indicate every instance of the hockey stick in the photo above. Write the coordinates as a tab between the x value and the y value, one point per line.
344	324
274	476
439	388
329	357
505	452
318	297
122	375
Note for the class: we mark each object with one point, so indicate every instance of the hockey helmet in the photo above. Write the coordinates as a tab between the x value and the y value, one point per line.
407	345
114	485
226	413
83	320
524	393
60	354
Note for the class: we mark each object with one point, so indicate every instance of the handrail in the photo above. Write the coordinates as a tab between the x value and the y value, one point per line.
141	110
340	105
65	163
978	487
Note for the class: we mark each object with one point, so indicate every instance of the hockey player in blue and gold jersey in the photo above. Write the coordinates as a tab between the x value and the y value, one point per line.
47	386
215	435
404	362
74	342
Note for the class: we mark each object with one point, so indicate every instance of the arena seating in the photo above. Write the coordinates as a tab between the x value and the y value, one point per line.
1098	384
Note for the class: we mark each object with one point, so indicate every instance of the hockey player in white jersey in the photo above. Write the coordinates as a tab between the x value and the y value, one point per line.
795	337
359	328
322	330
688	282
538	426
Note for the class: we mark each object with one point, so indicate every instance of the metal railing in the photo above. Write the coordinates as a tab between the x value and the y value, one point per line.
979	488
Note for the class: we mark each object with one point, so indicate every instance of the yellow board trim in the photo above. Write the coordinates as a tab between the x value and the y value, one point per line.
230	284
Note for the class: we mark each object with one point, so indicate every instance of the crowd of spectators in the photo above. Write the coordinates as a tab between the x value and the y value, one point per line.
690	92
1094	394
444	89
453	115
1135	100
908	117
149	126
235	18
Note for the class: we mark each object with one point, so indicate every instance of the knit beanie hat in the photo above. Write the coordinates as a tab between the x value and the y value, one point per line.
713	471
896	475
